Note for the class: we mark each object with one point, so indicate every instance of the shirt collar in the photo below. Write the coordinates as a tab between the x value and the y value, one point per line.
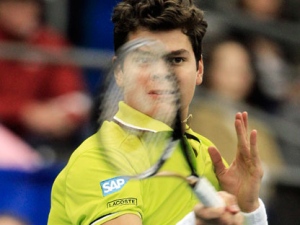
134	119
190	134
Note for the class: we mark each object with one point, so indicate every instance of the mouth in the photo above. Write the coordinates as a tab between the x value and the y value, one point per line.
162	92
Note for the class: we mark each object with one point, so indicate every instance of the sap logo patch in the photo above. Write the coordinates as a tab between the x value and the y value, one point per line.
112	185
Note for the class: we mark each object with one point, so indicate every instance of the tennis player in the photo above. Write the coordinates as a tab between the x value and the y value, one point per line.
88	191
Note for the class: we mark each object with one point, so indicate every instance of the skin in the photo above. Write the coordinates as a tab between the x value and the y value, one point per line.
147	79
9	220
231	75
142	83
243	177
263	9
241	180
19	18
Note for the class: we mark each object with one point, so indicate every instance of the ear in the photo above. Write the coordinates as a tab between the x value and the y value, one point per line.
200	72
118	73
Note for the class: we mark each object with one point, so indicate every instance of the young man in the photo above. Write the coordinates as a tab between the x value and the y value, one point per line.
79	194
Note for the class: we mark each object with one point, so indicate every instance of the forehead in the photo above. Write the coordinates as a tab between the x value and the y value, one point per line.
173	40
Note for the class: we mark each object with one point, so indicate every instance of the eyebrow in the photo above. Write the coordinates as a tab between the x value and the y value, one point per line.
178	52
175	52
168	55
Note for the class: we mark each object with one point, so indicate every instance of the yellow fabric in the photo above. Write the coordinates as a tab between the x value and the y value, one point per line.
90	191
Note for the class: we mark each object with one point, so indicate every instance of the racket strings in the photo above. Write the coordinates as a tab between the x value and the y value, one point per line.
148	151
110	96
145	158
189	155
191	180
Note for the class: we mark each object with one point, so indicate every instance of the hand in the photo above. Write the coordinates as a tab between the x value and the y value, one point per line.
243	177
228	215
57	117
47	119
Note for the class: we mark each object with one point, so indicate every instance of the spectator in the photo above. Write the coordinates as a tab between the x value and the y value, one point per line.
229	79
290	112
272	83
43	103
262	9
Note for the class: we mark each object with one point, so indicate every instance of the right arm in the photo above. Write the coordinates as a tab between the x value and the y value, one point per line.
125	219
229	214
223	215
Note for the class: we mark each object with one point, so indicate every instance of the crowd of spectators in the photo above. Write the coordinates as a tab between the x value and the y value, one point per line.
42	103
269	29
46	106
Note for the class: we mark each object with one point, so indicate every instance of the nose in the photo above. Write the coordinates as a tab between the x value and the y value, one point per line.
161	77
160	71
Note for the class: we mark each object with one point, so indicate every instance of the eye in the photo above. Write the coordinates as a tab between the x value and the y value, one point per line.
176	60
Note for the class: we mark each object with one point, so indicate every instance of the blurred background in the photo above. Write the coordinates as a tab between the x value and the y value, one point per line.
54	53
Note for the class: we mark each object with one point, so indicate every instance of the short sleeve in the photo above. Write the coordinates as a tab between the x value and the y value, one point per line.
94	194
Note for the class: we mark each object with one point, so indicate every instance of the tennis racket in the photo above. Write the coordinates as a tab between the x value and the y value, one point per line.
144	76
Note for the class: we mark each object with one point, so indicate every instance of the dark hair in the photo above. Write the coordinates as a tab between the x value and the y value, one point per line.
159	15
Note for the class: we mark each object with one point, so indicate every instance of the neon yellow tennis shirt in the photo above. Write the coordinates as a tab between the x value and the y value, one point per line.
89	192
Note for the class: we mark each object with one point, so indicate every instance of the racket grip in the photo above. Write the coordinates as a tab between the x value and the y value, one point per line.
207	194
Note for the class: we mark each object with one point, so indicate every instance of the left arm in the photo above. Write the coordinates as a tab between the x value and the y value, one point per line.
243	177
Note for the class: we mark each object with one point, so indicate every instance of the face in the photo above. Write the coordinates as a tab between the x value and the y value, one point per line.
231	74
19	18
149	87
264	8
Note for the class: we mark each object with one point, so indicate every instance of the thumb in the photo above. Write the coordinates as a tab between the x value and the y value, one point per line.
216	158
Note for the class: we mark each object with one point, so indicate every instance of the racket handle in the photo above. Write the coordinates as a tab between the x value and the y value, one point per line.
207	194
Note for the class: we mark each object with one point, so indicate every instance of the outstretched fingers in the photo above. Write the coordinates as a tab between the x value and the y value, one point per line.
253	144
245	120
247	152
255	153
241	123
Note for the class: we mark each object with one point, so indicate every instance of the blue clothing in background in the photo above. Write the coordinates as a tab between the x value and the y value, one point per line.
90	26
27	194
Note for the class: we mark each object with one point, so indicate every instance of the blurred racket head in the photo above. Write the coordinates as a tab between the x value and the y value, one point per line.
143	77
